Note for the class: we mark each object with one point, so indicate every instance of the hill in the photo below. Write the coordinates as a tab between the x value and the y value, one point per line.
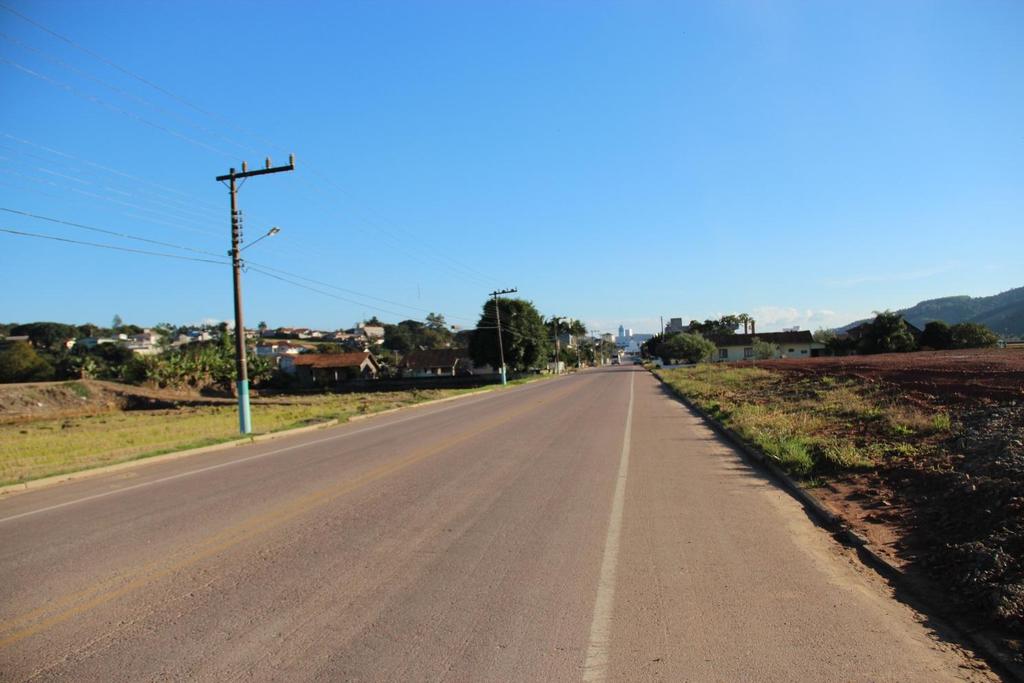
1003	313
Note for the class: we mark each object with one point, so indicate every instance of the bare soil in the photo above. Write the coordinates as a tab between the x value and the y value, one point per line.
951	513
49	400
996	374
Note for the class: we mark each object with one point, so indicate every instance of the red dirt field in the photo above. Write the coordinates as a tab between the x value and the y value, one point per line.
972	373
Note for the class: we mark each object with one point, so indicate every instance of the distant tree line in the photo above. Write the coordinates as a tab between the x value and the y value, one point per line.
890	333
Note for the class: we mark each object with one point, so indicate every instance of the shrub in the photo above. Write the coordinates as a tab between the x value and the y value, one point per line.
888	333
937	335
20	363
690	347
972	336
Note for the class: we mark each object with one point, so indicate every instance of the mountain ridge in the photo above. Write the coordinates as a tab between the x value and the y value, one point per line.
1003	313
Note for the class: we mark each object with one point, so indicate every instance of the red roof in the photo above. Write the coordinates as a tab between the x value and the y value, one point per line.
333	360
433	358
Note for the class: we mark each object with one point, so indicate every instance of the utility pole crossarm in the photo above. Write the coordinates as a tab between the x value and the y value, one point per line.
259	171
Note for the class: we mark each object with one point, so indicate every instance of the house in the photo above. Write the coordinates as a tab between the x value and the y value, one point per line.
147	343
792	344
328	369
278	350
435	363
93	342
373	333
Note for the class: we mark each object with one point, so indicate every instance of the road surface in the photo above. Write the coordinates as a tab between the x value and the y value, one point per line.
585	528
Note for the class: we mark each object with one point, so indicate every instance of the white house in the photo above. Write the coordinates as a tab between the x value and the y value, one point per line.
734	347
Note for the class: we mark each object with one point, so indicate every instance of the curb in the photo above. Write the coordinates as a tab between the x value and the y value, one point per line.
994	655
46	482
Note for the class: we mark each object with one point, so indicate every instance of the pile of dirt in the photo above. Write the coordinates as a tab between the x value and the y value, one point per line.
967	374
53	400
967	523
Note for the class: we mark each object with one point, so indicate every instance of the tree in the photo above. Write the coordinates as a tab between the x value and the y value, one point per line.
523	334
824	336
88	330
887	334
435	321
972	336
20	363
116	323
649	349
692	348
764	350
937	335
262	327
374	321
46	335
725	325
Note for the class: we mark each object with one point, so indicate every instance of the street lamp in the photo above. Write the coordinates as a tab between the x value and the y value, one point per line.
270	233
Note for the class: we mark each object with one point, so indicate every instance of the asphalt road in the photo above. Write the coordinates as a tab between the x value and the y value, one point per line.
586	528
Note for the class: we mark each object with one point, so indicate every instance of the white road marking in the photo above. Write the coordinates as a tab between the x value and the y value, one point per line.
277	451
595	668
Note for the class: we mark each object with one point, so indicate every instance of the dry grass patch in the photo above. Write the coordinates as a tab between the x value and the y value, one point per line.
39	448
809	425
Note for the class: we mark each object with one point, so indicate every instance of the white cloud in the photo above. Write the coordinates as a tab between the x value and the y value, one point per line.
773	318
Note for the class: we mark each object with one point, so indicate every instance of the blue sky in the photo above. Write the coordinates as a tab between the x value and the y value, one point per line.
804	162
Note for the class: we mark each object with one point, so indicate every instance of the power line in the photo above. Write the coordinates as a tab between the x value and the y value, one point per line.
186	214
106	232
466	270
454	265
130	205
103	103
121	91
136	179
114	65
109	246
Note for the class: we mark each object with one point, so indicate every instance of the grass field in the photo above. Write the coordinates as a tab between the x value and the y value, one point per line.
810	425
40	448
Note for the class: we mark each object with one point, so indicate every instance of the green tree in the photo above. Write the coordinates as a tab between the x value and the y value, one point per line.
116	323
763	350
435	321
937	335
887	334
19	362
523	333
824	335
725	325
87	330
649	349
46	335
972	336
692	348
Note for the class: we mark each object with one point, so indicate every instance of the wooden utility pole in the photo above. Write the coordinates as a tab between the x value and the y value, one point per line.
497	316
242	379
